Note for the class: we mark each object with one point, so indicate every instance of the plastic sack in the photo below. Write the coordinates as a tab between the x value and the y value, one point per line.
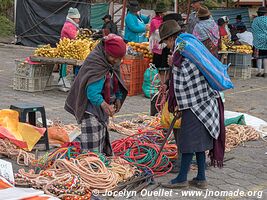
148	86
167	117
214	71
235	120
21	134
57	135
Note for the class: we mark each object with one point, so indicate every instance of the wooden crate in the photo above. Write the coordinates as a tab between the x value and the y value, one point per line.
239	73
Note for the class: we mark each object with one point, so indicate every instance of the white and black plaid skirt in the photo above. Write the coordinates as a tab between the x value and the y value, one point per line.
94	135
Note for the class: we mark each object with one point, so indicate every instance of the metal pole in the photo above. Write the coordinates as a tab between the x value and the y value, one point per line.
15	17
175	6
188	10
263	2
123	14
111	10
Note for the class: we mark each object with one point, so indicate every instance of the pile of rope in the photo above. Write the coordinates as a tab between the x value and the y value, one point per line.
12	151
122	168
238	134
70	150
143	122
142	150
87	168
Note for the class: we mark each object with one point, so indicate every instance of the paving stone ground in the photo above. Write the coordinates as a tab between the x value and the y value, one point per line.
247	172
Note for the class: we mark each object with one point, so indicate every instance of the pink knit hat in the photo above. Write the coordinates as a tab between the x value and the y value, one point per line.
115	46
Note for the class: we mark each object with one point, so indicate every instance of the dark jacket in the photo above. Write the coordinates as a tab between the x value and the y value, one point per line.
111	26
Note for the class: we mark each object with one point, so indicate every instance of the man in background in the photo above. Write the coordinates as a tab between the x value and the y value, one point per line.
239	21
109	26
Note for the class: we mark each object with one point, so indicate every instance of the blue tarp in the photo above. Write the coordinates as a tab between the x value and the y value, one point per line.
231	14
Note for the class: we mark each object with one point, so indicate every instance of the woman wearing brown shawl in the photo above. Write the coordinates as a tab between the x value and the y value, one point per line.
202	121
97	93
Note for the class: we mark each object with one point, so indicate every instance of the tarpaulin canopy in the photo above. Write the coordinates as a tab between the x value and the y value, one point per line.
98	11
40	22
231	14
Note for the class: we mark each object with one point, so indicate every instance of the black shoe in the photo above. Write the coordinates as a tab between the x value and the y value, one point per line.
258	75
198	183
182	185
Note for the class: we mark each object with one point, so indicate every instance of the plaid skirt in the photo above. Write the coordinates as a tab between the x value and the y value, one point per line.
94	135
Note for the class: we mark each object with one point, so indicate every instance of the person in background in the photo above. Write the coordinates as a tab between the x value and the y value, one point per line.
193	19
70	30
259	31
239	21
228	27
207	31
98	93
109	26
222	27
224	38
135	24
244	37
71	26
154	39
201	110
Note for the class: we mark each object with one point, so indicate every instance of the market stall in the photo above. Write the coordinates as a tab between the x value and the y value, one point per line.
239	57
73	53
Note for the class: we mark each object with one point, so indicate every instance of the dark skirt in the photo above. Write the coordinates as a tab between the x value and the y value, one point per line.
160	61
156	60
194	137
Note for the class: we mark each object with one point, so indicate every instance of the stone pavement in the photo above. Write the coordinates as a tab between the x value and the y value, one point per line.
247	172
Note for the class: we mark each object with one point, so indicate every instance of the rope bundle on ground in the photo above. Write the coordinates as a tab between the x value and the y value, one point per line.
12	151
238	134
142	149
46	161
122	168
87	169
142	123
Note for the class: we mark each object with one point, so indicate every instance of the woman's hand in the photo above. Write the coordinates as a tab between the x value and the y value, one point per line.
163	88
109	109
117	105
170	60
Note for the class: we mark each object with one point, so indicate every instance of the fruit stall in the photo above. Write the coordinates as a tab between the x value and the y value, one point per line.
35	73
134	66
239	56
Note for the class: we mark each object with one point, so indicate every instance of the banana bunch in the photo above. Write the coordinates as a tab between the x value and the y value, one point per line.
46	51
62	46
141	48
246	49
226	43
85	33
70	49
76	49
